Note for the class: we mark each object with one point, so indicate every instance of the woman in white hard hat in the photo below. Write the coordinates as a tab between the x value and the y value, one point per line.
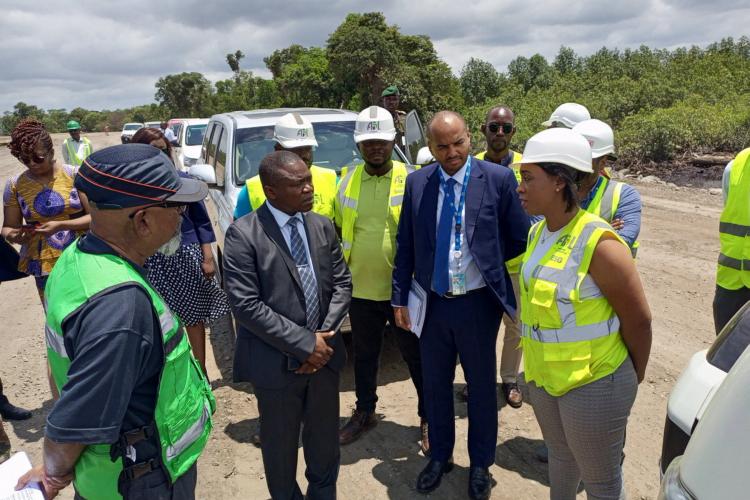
585	321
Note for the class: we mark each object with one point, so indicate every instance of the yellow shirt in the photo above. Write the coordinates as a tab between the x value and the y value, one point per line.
374	244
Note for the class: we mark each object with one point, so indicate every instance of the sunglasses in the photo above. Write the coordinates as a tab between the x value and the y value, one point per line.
35	158
181	207
507	127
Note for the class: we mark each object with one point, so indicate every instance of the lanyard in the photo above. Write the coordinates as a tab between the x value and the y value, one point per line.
458	212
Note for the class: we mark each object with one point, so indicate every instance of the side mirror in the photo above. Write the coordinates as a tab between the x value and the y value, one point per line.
203	172
175	143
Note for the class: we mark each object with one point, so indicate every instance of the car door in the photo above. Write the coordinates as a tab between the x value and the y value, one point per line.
414	136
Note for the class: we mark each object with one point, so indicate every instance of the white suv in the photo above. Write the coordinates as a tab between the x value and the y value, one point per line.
189	133
235	143
128	131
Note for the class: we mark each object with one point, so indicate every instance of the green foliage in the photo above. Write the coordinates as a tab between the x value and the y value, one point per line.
479	81
303	77
183	95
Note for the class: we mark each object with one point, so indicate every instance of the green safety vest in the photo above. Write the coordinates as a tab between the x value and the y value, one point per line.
568	339
605	203
348	197
184	402
513	265
72	151
514	167
733	270
324	182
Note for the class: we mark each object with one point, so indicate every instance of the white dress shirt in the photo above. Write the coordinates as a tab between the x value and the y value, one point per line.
282	219
169	134
471	272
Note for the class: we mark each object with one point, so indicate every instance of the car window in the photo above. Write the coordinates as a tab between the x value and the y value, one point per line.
221	160
176	129
732	341
336	148
206	142
194	135
134	126
213	145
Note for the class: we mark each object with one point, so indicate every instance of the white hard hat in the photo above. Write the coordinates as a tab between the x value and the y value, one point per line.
568	115
558	145
600	137
374	123
294	131
424	156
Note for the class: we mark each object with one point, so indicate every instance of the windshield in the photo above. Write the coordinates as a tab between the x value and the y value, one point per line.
194	134
336	148
133	126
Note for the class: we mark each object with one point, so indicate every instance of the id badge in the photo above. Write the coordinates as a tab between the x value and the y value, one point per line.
458	283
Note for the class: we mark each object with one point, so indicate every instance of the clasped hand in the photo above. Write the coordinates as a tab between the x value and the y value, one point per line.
321	353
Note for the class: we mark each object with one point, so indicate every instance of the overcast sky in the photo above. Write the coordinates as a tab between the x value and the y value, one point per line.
101	54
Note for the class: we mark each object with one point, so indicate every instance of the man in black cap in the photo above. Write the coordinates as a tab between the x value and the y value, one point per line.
134	412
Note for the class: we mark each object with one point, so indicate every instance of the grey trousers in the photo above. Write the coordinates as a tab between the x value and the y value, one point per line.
584	430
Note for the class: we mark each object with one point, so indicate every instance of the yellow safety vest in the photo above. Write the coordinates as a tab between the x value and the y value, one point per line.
605	203
73	157
513	265
568	339
515	168
733	271
324	182
348	197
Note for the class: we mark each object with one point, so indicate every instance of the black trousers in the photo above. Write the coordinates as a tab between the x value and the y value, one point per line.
310	402
726	303
155	486
368	319
465	326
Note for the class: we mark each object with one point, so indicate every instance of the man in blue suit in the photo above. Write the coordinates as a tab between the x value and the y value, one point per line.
460	221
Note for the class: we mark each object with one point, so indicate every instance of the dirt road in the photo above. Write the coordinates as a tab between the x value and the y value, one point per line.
679	244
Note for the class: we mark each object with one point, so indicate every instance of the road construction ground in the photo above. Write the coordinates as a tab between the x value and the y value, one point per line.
679	244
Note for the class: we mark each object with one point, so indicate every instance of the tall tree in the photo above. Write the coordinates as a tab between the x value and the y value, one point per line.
479	81
185	94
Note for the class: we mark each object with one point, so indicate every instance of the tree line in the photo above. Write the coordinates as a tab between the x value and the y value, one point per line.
662	103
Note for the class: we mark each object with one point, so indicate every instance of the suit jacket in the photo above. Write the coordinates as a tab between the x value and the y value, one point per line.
496	229
267	299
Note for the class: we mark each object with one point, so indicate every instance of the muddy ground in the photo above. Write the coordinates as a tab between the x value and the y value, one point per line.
679	243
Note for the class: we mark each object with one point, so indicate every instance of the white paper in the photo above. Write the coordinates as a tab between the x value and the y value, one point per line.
417	307
10	472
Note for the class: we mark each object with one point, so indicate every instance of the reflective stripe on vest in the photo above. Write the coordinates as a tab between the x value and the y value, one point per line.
348	196
605	203
184	400
73	157
569	339
324	182
733	269
515	168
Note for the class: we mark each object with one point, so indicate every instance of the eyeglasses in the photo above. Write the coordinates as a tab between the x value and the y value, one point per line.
181	207
507	127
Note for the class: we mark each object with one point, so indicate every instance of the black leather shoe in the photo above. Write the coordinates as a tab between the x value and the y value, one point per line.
10	412
480	483
429	479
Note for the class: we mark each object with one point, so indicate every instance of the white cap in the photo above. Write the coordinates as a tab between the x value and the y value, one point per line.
424	156
294	131
558	145
568	115
374	123
600	137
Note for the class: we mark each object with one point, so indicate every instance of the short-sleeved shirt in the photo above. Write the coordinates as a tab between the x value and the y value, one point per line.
39	203
114	344
374	244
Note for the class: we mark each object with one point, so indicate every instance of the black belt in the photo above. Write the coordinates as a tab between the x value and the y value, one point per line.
452	296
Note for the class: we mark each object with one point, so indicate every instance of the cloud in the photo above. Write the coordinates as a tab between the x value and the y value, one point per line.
100	55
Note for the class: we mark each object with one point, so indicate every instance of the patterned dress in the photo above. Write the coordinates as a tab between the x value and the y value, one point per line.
39	203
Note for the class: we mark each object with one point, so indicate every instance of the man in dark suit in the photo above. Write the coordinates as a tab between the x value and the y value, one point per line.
460	221
290	290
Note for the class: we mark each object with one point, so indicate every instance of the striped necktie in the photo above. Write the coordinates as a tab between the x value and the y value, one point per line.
309	286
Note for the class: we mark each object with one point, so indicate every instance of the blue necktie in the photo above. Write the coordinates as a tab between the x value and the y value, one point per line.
309	287
443	241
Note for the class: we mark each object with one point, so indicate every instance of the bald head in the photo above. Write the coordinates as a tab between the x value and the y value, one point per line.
500	114
444	120
449	140
287	182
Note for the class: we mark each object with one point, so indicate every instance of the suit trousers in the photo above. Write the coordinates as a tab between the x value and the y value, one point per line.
310	402
368	318
466	326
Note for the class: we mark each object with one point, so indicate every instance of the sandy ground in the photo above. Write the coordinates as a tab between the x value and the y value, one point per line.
678	252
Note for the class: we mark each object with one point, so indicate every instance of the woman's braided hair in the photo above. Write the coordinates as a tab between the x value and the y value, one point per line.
25	137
